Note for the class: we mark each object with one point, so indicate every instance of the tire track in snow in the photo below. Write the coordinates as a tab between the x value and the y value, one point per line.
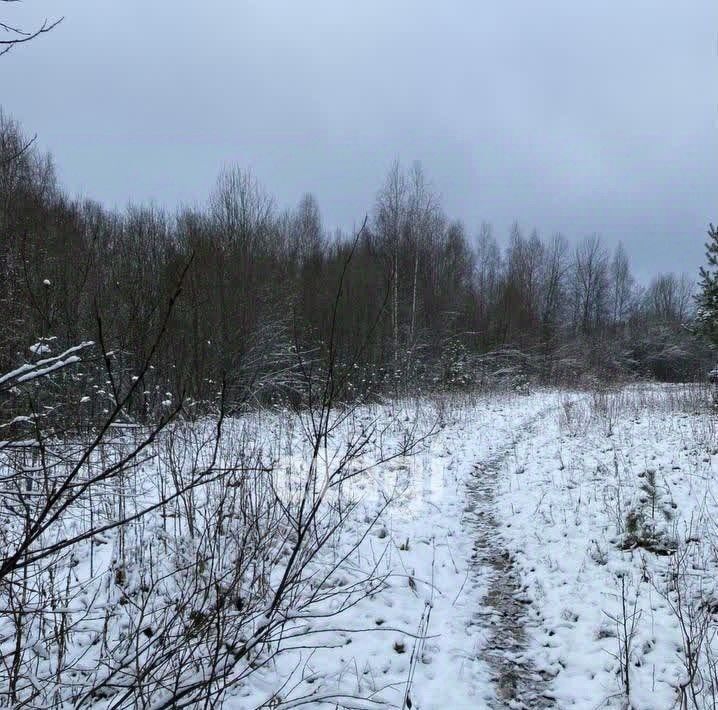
503	610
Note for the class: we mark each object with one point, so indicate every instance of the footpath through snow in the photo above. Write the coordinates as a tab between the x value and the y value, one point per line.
552	550
447	629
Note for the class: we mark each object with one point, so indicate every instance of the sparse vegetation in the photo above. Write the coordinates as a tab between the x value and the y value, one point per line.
249	461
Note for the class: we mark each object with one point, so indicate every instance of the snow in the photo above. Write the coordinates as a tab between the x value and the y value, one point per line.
600	504
34	370
55	365
39	348
421	635
566	501
573	471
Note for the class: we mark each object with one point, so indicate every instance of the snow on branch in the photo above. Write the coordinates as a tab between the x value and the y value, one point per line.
33	370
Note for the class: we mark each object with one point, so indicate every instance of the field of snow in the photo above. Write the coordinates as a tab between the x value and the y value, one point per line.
555	549
609	512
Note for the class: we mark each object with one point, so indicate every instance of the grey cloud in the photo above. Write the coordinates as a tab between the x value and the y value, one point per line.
573	117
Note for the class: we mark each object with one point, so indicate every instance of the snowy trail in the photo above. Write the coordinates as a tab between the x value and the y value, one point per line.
503	616
505	553
541	551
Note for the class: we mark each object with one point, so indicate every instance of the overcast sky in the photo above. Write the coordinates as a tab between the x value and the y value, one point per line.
576	116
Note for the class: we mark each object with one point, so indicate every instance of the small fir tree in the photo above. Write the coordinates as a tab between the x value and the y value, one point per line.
707	298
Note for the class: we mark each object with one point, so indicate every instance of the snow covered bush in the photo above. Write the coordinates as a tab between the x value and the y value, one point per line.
160	564
455	365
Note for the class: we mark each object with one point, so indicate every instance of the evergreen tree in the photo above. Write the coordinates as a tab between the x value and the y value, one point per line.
707	299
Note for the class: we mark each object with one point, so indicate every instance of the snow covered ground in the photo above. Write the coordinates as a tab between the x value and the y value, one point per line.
426	627
556	549
605	508
609	510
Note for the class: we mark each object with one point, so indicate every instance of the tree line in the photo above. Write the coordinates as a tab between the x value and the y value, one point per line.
423	302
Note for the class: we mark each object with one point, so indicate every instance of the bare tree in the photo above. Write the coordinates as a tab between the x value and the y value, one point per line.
487	280
522	282
668	298
424	226
555	267
391	215
622	286
590	284
307	231
197	550
14	35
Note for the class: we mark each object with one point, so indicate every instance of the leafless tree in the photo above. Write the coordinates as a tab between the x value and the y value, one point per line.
590	284
622	286
391	215
668	298
215	561
14	35
555	268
